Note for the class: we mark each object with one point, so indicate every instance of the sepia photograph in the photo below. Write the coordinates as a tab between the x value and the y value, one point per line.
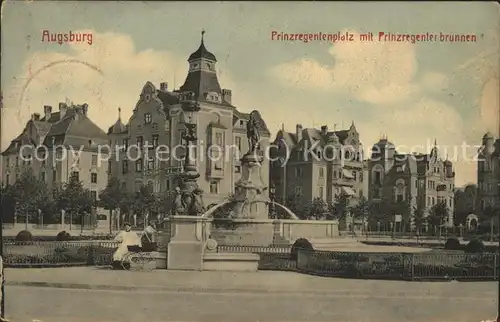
250	161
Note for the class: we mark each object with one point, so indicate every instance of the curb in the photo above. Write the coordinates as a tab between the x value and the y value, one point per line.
98	287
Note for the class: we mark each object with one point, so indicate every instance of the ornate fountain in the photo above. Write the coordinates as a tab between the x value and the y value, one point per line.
248	221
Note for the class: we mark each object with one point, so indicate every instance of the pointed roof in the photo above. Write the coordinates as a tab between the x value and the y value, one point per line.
118	127
202	52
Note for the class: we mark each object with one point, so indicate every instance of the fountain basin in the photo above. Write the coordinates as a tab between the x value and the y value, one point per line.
247	232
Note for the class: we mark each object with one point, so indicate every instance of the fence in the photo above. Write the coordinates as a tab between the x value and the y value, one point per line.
275	258
55	253
406	266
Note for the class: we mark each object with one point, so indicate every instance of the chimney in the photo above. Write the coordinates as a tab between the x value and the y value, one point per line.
47	110
85	109
62	110
78	112
227	96
324	130
164	86
298	132
35	117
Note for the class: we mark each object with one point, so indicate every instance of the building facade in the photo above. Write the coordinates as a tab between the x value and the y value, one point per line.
488	174
406	181
157	127
318	163
58	145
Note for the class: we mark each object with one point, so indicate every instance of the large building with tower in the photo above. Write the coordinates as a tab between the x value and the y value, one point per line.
488	174
406	181
158	121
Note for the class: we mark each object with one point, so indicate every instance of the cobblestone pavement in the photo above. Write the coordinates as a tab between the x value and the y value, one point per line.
63	305
92	294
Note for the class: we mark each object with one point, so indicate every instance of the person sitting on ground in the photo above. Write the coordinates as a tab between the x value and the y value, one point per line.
127	238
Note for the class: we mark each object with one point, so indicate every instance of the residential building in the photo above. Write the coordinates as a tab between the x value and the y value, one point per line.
406	181
488	173
465	202
318	163
58	145
158	121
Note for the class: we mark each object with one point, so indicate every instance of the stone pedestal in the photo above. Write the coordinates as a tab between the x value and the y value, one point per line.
250	191
186	246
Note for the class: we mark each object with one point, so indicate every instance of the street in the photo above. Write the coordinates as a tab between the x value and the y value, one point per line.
27	304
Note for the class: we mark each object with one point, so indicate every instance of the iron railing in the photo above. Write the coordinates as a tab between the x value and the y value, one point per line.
408	266
58	253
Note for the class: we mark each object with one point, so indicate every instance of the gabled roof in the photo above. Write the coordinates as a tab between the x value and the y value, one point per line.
75	129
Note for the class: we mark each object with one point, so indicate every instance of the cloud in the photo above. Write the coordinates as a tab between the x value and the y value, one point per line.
374	72
116	75
490	105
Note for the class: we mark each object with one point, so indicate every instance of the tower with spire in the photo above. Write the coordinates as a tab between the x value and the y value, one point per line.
159	119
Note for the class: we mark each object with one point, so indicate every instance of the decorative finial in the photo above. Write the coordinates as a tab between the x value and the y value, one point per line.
119	113
435	142
202	34
334	127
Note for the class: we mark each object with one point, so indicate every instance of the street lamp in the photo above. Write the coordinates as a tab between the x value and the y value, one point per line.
272	195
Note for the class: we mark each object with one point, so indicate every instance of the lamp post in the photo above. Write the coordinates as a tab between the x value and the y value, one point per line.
191	202
272	196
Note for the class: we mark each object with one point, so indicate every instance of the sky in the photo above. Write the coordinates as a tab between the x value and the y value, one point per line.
413	93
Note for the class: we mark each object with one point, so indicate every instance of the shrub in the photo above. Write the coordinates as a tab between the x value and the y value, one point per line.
475	246
300	243
24	236
63	236
452	244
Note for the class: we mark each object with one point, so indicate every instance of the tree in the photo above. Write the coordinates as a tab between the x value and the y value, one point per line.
111	198
438	216
378	212
340	207
8	203
419	218
317	209
74	199
489	213
29	194
293	203
144	202
361	209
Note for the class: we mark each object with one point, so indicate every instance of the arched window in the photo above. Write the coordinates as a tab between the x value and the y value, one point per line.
399	190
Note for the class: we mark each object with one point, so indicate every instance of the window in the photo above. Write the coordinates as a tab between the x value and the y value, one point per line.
147	118
138	165
428	201
151	163
7	161
93	178
155	141
218	139
17	161
378	177
42	176
166	126
361	177
155	126
298	190
167	184
94	160
237	141
335	174
321	172
354	175
125	144
75	175
298	172
399	197
214	186
321	192
54	175
139	142
124	166
93	195
237	169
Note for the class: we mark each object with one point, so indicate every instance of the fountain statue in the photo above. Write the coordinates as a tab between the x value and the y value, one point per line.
250	199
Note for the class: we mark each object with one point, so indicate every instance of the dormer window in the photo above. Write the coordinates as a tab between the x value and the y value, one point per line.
242	123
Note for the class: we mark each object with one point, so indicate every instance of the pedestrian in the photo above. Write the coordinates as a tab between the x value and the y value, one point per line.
127	238
149	240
